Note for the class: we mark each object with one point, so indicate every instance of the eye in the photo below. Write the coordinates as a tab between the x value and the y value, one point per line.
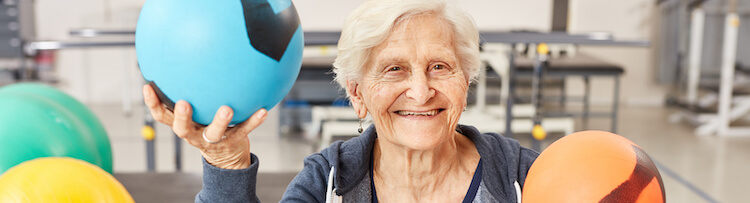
440	67
394	68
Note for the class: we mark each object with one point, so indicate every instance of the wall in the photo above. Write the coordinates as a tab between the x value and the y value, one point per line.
632	19
107	75
92	75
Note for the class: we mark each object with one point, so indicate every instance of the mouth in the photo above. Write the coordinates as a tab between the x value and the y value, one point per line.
419	113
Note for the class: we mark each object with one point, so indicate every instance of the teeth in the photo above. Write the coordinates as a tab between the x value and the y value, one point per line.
410	113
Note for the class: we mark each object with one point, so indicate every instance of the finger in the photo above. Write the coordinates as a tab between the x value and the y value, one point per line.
157	110
251	123
183	122
218	126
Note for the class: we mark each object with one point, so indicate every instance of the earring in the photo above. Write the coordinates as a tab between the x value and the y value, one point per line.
360	126
464	109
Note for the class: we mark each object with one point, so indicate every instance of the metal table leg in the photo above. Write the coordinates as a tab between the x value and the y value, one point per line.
586	95
511	91
150	147
177	153
615	104
563	94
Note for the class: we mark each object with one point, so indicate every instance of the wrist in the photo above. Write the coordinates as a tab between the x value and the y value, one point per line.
236	162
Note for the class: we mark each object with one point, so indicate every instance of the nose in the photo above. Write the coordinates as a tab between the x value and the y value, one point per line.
419	89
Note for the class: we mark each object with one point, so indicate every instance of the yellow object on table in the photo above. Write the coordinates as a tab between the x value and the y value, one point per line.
542	49
148	133
538	132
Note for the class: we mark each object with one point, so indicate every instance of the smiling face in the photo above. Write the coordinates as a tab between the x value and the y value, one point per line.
413	85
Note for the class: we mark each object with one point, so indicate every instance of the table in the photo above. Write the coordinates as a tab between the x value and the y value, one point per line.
586	67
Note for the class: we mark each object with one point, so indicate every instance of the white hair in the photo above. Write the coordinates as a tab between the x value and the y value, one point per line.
371	23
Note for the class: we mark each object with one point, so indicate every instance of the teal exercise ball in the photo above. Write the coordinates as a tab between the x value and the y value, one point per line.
40	121
89	119
245	54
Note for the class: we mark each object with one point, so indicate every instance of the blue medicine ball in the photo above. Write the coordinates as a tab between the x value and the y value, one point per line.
242	53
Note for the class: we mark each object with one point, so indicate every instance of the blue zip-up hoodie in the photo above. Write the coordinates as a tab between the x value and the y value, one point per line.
504	167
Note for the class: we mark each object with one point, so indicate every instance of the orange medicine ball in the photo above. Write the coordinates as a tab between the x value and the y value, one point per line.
593	166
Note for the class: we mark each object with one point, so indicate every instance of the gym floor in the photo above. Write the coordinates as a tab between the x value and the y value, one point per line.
694	169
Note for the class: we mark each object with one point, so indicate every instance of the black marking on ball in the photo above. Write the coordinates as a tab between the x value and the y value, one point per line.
646	161
168	103
269	32
162	97
645	170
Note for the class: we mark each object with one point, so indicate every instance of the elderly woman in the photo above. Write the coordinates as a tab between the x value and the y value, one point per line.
408	64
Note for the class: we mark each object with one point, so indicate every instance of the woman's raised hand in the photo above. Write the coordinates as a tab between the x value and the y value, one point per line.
230	152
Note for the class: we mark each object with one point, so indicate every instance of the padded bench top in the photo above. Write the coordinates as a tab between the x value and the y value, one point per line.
737	91
577	65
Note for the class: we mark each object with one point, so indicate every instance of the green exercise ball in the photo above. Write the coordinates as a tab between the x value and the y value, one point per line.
40	121
88	117
82	112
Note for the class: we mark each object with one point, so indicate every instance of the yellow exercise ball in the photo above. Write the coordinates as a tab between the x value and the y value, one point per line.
60	179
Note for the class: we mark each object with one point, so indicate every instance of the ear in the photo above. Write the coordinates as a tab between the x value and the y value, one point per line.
355	96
